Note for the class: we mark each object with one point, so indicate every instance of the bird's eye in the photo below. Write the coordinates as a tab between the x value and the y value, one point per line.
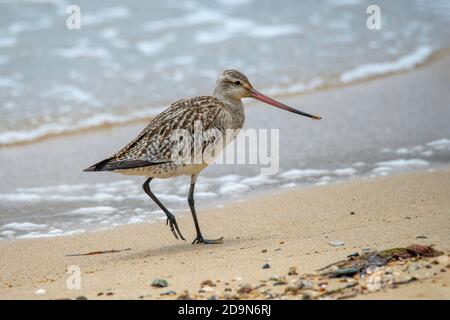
237	83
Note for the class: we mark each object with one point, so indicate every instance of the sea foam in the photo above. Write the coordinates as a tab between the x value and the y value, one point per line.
375	69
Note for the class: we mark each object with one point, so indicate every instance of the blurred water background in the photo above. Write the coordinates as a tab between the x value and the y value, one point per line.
132	58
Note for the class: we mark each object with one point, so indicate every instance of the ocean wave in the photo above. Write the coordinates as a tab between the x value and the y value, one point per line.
15	137
109	204
8	42
105	15
409	61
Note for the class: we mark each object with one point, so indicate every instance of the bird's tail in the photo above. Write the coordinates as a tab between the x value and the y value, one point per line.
111	165
99	166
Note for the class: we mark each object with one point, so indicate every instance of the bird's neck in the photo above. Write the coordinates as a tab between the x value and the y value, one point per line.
236	108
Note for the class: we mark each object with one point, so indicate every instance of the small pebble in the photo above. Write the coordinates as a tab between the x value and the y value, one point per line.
413	267
167	293
39	292
207	283
292	271
264	250
336	243
266	266
246	288
160	283
206	289
184	296
280	282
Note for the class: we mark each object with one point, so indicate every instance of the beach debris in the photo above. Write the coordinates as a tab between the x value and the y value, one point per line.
92	253
366	250
81	298
346	272
280	282
206	289
424	251
421	237
353	255
168	293
264	250
110	293
207	283
266	266
336	243
275	278
359	273
184	296
159	283
292	271
298	285
39	292
246	288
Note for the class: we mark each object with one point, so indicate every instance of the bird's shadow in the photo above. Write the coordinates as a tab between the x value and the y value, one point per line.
184	247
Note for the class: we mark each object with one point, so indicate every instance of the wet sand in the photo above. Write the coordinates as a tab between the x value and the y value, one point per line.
285	229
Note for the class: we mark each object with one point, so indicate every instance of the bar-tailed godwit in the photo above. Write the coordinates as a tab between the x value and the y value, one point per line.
151	153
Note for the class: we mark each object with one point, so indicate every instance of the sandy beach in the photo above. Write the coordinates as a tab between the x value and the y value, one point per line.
286	229
354	206
283	227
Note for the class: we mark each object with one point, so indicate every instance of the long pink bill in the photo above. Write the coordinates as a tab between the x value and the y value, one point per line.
259	96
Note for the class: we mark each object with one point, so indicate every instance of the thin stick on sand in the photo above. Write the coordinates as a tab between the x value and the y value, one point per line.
96	252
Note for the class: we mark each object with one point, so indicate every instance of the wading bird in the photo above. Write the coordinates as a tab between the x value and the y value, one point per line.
151	153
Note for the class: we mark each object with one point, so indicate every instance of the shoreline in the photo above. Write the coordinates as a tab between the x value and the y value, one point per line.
289	229
219	204
333	84
371	129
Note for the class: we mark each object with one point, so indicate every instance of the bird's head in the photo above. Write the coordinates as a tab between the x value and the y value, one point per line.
234	85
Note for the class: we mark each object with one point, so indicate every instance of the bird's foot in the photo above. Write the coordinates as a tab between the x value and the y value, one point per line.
201	240
172	222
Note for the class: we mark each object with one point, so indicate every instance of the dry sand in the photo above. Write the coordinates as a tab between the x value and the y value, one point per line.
295	226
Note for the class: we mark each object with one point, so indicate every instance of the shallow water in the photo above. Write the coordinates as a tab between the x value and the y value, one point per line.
130	59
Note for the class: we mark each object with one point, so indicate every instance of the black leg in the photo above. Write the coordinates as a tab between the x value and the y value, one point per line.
170	217
199	238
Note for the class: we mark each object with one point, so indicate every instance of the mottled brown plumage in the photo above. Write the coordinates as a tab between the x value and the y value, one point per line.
160	151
